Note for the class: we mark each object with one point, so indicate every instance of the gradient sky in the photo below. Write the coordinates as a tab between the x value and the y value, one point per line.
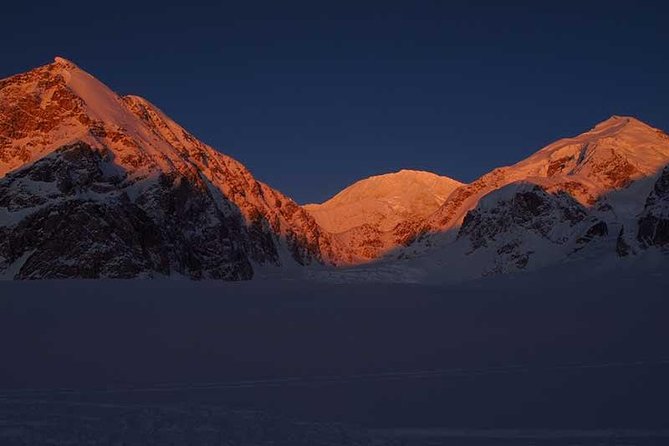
313	96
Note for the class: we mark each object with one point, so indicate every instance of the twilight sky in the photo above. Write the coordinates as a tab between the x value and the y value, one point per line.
313	96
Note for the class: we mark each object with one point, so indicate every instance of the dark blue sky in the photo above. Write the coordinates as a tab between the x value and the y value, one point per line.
312	96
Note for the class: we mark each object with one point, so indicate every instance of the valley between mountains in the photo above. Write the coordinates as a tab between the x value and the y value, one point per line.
98	185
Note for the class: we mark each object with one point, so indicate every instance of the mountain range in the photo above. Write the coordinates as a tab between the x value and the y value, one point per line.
93	184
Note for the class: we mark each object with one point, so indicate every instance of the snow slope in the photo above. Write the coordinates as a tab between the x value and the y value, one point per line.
384	201
369	217
615	153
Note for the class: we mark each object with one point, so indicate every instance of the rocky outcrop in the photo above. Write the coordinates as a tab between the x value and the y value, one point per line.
521	222
654	221
623	248
598	229
77	217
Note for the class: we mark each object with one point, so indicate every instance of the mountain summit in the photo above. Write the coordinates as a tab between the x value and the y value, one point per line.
580	196
368	217
99	185
384	201
611	156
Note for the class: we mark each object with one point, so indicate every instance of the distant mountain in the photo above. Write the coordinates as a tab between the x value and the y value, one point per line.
599	194
98	185
611	156
365	216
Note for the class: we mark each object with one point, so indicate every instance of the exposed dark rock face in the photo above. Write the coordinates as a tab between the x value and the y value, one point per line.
654	231
654	221
532	210
89	226
516	221
623	249
598	229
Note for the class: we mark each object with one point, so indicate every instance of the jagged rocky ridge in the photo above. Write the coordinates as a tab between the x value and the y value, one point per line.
98	185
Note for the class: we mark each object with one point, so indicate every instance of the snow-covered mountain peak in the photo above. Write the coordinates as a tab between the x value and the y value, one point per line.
383	201
373	215
71	144
617	122
413	172
626	127
642	148
614	120
125	191
608	157
59	104
588	167
64	63
384	185
137	99
617	125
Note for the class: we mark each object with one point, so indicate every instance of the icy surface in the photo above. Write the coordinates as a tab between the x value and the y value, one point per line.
578	353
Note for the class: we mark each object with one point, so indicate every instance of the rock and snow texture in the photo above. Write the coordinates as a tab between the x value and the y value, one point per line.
522	226
97	185
653	224
601	195
369	216
609	157
93	184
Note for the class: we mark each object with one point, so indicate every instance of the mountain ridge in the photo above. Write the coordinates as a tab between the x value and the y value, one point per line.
57	113
93	184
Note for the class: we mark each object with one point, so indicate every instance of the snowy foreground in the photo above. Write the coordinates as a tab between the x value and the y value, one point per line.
570	357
